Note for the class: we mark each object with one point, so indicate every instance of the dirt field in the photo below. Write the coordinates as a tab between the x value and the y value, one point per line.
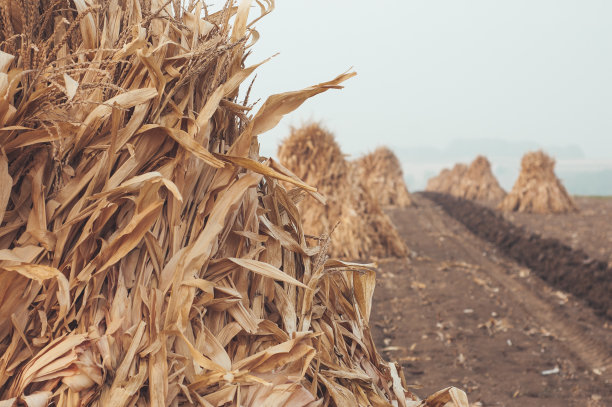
463	312
568	269
589	230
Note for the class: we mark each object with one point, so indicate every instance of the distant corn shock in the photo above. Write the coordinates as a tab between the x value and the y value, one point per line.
475	182
381	173
361	230
537	189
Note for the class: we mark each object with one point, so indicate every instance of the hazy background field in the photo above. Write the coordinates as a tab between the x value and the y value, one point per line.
442	81
580	174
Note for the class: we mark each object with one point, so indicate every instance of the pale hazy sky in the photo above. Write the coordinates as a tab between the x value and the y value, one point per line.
433	71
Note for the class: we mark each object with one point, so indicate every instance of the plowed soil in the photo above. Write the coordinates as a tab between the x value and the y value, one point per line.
569	269
468	312
589	230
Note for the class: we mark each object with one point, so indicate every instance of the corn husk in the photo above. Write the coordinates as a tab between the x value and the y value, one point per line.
363	230
537	188
381	174
475	182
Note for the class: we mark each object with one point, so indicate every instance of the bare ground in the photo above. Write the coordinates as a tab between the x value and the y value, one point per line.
589	230
460	313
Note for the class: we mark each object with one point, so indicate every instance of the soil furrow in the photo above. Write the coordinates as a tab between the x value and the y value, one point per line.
571	270
463	313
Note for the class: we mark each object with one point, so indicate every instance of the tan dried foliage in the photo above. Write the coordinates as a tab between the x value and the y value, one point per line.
478	182
148	254
364	230
447	182
537	188
475	182
381	174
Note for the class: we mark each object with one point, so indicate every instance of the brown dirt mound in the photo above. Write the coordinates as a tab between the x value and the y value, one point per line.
148	254
381	173
364	231
570	270
475	182
537	188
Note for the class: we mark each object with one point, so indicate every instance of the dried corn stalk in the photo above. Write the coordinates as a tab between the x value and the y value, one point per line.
447	182
148	255
475	182
478	182
363	231
381	174
537	188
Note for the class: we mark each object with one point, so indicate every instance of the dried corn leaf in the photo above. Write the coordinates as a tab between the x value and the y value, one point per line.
148	254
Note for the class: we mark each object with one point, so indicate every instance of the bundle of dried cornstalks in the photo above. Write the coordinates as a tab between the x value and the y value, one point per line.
537	188
447	182
475	182
381	174
364	230
148	255
479	184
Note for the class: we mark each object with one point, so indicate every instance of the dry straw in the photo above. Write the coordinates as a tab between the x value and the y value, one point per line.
381	174
447	182
478	182
475	182
537	188
364	230
148	255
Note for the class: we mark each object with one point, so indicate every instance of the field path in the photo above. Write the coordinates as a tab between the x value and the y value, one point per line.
459	313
